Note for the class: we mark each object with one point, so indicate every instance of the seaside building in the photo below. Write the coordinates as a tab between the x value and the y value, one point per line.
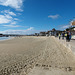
42	34
36	34
72	28
54	32
73	23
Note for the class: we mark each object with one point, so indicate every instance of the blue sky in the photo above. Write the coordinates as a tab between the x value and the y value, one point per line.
31	16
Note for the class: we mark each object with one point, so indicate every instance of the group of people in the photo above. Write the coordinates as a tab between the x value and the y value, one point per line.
66	35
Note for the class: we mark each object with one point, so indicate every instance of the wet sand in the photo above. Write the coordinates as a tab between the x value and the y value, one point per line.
35	56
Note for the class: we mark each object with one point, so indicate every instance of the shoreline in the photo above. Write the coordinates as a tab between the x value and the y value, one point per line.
8	38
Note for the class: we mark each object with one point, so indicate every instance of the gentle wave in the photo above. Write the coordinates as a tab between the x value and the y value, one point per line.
4	38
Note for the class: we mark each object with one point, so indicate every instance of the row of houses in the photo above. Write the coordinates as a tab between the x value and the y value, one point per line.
52	32
55	32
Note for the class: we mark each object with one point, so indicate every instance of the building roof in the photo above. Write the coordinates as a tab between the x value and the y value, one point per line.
73	23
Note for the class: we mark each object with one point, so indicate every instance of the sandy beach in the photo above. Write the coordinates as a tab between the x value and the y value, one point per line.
33	55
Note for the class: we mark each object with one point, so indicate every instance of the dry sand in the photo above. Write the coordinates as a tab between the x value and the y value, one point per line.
35	56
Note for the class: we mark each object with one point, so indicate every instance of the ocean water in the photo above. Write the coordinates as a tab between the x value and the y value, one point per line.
4	38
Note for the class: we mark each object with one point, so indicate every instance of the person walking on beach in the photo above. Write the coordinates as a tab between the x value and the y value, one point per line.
69	35
63	35
59	36
68	38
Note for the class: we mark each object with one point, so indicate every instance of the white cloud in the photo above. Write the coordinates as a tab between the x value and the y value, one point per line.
8	16
11	13
53	16
16	19
13	23
5	19
11	26
65	26
19	14
27	31
17	4
8	12
30	28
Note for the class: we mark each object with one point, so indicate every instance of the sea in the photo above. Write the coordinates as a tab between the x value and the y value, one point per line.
4	38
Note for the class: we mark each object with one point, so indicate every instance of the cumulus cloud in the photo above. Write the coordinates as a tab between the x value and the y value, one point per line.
16	19
53	16
8	21
11	26
8	12
12	23
66	26
16	4
5	19
30	28
27	31
8	18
